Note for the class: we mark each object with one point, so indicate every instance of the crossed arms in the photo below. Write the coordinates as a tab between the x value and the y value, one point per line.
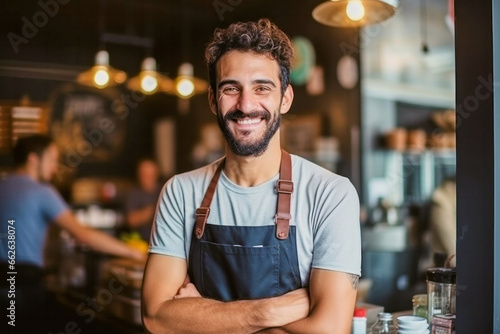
170	304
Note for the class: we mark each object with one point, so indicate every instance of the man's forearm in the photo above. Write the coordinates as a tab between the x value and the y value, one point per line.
202	315
331	311
96	239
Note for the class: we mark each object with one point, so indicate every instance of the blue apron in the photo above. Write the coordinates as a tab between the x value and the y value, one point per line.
246	262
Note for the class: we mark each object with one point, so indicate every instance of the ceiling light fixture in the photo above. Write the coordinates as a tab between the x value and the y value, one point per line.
186	84
149	81
102	75
354	13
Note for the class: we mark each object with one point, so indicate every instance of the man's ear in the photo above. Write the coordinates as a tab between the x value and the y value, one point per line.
32	159
212	100
286	101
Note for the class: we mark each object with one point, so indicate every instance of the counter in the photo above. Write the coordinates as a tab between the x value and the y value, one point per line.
96	318
96	288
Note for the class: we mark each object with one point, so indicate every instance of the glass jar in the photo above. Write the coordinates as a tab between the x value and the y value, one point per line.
441	291
420	305
384	325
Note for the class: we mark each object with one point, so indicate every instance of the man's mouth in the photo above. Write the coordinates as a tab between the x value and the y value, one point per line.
248	121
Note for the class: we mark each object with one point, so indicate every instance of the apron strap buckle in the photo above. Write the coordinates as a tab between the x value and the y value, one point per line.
203	211
284	186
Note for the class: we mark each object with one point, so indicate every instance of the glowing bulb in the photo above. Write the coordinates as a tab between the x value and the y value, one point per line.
185	87
101	78
149	84
355	10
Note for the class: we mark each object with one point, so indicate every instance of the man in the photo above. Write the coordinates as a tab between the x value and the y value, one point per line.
28	205
256	262
31	204
141	201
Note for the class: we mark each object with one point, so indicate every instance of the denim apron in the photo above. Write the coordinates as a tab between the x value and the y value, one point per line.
246	262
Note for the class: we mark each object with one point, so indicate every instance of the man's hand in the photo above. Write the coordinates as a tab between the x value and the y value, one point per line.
187	289
289	307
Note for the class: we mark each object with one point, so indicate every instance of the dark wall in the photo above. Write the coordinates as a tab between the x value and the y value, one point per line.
180	30
477	167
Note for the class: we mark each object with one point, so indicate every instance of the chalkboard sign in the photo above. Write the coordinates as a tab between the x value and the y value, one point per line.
88	124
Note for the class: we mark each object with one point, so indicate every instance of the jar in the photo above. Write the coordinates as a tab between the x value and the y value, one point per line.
441	291
384	325
420	305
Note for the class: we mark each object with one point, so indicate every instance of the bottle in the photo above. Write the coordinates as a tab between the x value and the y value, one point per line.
384	325
359	321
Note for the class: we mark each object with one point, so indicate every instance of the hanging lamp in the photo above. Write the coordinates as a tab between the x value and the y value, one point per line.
354	13
149	81
186	84
102	75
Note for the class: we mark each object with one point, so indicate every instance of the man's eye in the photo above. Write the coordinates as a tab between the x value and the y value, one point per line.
263	89
230	90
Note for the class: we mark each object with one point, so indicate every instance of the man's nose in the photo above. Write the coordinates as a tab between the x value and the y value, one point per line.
246	101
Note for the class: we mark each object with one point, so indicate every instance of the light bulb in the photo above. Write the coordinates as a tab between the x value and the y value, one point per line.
149	84
101	78
355	10
185	87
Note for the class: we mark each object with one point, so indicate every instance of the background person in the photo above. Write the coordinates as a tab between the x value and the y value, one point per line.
27	198
443	221
141	201
237	283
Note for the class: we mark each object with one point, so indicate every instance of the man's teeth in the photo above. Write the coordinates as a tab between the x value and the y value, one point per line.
248	120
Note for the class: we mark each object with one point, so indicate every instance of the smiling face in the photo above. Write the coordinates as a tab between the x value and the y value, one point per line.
248	102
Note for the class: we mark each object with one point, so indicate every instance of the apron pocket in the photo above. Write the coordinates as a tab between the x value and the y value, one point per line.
231	272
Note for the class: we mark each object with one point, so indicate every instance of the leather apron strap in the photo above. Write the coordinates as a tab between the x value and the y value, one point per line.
284	187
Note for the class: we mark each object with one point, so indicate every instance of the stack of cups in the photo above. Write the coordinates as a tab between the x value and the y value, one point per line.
409	324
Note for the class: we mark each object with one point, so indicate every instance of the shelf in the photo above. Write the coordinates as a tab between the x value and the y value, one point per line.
420	94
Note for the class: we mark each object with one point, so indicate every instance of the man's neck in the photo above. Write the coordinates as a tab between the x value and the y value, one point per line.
25	171
252	171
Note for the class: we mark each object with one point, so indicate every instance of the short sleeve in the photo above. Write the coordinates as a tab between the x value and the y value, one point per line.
51	203
167	235
337	238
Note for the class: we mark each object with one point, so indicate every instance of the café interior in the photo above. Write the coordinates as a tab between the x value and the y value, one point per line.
390	103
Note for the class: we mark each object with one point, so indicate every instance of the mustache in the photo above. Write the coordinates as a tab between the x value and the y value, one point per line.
237	114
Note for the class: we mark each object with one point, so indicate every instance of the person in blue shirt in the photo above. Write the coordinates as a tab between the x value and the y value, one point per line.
28	206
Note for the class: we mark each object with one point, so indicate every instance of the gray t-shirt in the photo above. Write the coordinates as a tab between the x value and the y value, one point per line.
324	207
137	199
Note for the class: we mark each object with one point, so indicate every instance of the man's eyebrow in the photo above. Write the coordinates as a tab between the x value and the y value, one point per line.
265	81
227	82
235	82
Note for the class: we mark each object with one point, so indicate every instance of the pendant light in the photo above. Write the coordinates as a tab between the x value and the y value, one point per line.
186	84
102	75
149	81
354	13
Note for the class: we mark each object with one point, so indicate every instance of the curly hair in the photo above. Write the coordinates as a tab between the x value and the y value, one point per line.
262	37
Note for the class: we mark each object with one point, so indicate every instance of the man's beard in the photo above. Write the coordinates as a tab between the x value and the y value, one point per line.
255	148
